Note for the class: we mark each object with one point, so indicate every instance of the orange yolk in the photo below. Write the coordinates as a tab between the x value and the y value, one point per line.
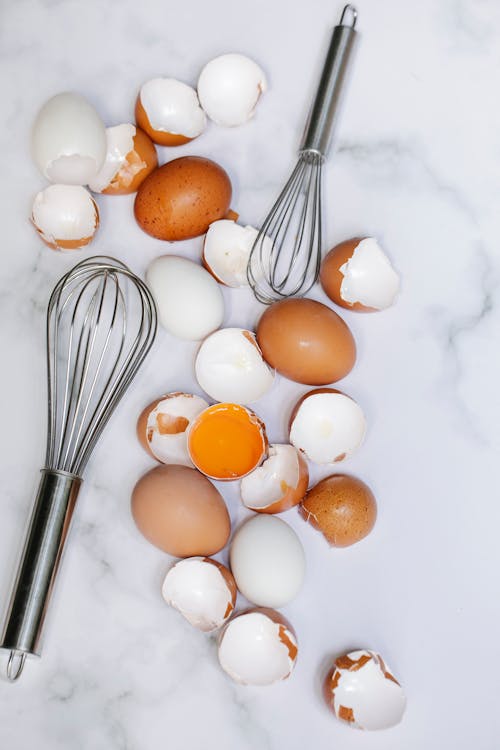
227	441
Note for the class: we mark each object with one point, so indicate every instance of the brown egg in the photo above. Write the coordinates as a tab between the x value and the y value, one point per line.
180	511
342	507
306	341
139	163
182	198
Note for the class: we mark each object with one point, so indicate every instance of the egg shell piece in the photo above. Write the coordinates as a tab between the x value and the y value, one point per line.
226	251
189	300
163	425
327	425
362	691
65	216
202	590
180	511
278	484
130	157
258	647
229	88
267	561
68	140
229	367
171	107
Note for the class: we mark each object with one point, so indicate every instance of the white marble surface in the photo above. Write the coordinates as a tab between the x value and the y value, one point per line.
417	164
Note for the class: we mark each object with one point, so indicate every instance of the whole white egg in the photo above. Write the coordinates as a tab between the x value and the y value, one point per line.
267	561
189	300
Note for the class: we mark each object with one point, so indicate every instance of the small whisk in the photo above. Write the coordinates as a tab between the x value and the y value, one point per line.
286	255
101	323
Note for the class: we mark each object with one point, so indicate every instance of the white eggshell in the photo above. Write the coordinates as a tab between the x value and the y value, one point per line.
229	88
171	448
120	142
189	300
267	561
226	251
173	107
69	140
369	277
65	213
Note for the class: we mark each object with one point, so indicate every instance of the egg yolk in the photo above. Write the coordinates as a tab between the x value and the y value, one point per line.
226	441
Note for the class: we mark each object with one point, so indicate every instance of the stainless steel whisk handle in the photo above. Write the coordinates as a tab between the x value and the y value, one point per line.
319	128
43	547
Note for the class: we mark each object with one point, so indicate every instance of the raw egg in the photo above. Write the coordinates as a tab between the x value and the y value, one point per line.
342	507
180	511
278	484
227	441
66	217
169	112
306	341
130	157
182	198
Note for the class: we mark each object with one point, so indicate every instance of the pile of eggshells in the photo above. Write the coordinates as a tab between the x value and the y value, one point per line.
175	505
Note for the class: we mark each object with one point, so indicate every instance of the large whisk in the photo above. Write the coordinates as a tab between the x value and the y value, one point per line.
286	255
101	323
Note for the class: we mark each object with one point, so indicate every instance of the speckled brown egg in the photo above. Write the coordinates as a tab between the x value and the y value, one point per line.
306	341
342	507
180	511
182	198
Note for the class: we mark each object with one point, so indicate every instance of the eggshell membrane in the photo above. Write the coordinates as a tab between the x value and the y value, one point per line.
227	441
291	489
182	198
306	341
342	508
361	691
68	208
160	137
229	88
180	511
226	251
136	165
331	277
169	111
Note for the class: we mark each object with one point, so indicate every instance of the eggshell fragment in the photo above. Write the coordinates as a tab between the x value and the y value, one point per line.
182	198
202	590
306	341
278	484
169	112
229	88
229	367
258	647
358	275
130	157
362	691
226	251
326	425
163	425
267	561
180	511
189	300
68	140
66	217
343	508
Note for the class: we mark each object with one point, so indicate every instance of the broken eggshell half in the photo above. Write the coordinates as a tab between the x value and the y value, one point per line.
258	647
278	484
66	217
169	112
229	88
163	425
130	157
226	251
202	590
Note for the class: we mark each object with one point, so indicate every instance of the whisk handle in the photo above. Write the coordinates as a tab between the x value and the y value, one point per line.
320	124
47	532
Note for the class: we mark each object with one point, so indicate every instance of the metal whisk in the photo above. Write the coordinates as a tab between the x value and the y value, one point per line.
286	255
101	323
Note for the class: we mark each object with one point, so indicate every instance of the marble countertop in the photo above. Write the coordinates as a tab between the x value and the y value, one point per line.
417	164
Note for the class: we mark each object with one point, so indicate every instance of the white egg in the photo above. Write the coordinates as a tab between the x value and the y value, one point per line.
229	88
65	216
189	300
69	140
267	561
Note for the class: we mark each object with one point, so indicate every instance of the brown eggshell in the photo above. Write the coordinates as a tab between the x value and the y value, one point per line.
306	341
280	620
331	277
342	507
230	582
180	511
142	422
142	158
182	198
292	495
160	137
57	244
303	398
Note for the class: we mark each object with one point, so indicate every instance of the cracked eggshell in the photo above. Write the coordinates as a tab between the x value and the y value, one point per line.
229	88
229	367
130	157
163	425
202	590
278	484
258	647
267	561
68	140
342	508
189	300
66	217
327	425
361	690
169	112
226	251
357	274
